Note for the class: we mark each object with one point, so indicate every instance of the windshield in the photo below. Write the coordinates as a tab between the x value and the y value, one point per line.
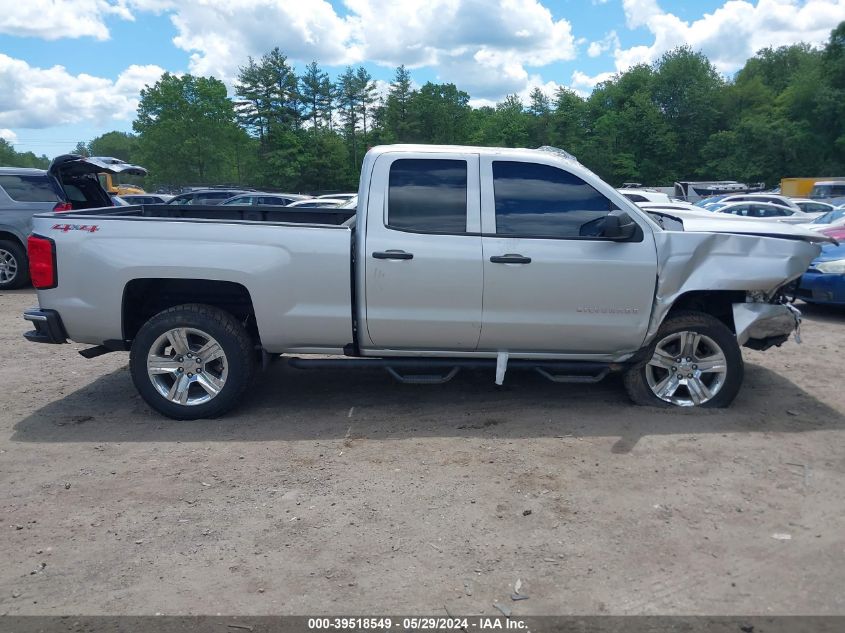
830	216
828	191
709	200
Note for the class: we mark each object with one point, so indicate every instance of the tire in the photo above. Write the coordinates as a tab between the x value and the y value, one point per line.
14	265
169	376
708	376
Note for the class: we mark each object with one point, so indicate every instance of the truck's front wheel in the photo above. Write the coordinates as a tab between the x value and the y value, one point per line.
694	361
192	361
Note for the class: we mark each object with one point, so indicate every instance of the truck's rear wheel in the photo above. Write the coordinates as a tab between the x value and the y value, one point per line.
14	265
192	361
694	361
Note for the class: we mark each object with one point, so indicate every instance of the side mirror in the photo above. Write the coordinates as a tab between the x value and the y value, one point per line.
619	227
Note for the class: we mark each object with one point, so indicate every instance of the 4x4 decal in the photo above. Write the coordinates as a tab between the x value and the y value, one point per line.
64	228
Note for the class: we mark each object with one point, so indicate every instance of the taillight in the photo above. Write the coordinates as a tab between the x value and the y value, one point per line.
63	206
42	262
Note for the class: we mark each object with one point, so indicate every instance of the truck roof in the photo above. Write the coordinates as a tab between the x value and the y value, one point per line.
463	149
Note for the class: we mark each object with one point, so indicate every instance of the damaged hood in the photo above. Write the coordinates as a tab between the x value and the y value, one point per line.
75	165
736	258
705	222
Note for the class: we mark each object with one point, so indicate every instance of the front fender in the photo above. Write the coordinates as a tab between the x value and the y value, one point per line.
689	262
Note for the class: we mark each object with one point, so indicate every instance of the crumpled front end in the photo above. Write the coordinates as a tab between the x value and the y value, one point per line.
755	265
763	325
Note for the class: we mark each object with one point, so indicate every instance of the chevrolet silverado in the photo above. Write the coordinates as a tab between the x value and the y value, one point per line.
456	257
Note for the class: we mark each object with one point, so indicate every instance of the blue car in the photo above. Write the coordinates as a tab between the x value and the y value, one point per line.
824	281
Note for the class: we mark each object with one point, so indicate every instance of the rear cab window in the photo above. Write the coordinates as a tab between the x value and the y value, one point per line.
30	188
428	195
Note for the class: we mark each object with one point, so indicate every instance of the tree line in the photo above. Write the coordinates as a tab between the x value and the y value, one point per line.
782	114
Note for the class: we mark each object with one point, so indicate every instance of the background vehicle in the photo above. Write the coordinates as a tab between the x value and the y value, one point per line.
801	187
762	210
455	257
828	190
109	179
205	196
828	220
644	195
691	191
824	281
146	198
352	203
259	197
836	232
813	207
706	203
338	196
70	183
314	203
782	201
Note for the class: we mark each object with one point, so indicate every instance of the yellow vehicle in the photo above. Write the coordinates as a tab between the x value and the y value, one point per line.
116	188
112	186
801	187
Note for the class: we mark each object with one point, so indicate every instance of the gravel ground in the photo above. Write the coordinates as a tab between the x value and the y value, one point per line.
333	492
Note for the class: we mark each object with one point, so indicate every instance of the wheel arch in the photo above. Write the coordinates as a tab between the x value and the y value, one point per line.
146	297
716	303
7	234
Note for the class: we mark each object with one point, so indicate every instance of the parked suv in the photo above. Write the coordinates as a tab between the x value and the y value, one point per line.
69	184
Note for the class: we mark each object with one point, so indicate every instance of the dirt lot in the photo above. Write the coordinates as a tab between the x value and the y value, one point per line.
334	492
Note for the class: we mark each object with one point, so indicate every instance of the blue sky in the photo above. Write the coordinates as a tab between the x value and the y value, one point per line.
72	69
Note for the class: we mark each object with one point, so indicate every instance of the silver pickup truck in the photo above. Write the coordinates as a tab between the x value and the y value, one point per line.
456	257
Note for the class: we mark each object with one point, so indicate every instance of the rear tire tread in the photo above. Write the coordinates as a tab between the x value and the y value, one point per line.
241	358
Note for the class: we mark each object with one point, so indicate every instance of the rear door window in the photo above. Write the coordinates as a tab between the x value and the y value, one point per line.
428	195
542	201
241	200
270	200
213	197
29	188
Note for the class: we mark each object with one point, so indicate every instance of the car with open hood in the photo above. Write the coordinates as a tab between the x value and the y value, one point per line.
70	184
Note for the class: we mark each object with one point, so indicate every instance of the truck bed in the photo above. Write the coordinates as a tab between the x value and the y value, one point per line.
245	213
295	266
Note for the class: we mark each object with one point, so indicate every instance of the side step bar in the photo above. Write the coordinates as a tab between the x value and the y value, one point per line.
419	370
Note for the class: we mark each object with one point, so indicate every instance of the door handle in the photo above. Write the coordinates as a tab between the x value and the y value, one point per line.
393	255
510	258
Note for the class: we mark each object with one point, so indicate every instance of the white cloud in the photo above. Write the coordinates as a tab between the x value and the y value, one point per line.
733	32
52	19
221	34
485	46
607	43
583	83
8	135
728	36
33	97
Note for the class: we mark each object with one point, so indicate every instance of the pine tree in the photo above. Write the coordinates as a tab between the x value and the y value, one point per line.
366	89
397	109
312	88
